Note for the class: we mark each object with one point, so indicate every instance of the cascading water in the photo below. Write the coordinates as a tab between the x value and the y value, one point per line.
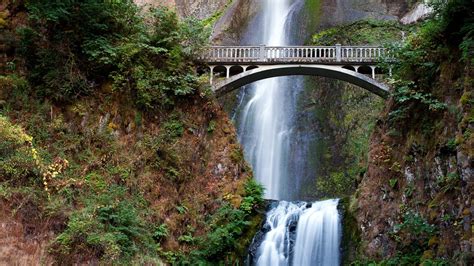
297	233
318	235
301	234
264	127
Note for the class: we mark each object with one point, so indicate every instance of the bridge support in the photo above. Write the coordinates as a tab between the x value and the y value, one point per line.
212	74
373	71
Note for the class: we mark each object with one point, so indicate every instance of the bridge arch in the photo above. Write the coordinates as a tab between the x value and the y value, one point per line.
270	71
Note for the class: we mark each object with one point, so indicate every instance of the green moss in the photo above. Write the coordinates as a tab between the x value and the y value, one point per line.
351	238
364	32
211	20
245	240
212	126
231	230
237	155
313	10
173	128
3	19
466	98
3	23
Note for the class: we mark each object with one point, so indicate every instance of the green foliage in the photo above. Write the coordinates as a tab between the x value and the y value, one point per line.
73	46
407	96
182	209
173	129
393	183
253	196
362	32
17	161
410	188
413	233
211	20
451	145
449	182
160	233
109	226
226	226
340	183
456	26
404	260
70	45
418	62
156	65
212	126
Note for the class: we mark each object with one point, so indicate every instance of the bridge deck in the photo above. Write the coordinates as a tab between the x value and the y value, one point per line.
265	55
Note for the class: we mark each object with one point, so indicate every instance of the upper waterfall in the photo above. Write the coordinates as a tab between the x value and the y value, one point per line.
264	126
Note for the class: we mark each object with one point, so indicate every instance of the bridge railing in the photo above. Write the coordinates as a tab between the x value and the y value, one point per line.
293	54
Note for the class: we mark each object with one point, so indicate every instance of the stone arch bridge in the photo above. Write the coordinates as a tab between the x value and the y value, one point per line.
242	65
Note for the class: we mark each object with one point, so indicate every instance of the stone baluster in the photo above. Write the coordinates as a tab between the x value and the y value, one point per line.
338	53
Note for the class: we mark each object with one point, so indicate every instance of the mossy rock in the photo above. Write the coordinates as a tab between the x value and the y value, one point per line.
245	240
3	23
361	32
427	255
351	236
433	241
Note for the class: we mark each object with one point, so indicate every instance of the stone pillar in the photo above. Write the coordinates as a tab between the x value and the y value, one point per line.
373	71
262	53
338	53
227	71
212	74
356	69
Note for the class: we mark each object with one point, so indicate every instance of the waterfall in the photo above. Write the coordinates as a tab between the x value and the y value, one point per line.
297	233
318	235
264	127
277	246
301	234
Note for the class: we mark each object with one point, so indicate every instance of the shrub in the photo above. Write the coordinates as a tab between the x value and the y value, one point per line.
73	46
173	129
413	233
156	66
109	227
253	196
226	226
17	161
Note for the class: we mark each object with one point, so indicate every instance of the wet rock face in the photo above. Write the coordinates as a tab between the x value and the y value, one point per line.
200	9
427	174
312	15
333	12
231	26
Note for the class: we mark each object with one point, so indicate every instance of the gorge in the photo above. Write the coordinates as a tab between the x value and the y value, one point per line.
115	150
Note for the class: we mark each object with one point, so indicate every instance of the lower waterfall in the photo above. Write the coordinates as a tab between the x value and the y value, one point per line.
301	234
